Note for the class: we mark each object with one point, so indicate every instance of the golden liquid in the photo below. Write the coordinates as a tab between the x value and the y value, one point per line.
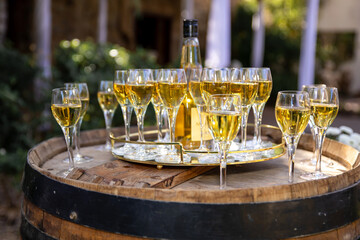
195	91
292	121
263	92
107	101
156	100
211	88
140	95
246	90
190	59
224	126
323	115
66	115
120	93
84	106
172	94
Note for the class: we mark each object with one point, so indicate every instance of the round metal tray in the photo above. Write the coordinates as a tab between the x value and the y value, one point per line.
271	135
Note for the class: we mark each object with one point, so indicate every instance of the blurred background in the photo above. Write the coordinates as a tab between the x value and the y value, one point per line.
45	43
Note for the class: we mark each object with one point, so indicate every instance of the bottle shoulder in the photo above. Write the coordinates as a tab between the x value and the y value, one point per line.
191	41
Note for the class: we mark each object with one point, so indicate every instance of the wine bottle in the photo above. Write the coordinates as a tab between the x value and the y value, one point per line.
190	59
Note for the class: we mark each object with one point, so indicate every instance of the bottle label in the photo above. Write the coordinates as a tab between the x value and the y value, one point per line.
195	126
179	127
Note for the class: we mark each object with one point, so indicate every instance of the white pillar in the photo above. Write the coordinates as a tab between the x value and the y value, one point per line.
308	45
257	54
218	39
188	9
43	44
102	21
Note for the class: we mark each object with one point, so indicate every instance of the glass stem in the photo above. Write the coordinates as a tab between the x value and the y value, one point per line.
140	112
69	140
244	120
258	111
223	156
200	110
291	146
77	138
319	139
108	115
127	111
158	111
172	112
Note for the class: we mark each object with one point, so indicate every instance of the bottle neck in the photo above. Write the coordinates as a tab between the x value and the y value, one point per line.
190	55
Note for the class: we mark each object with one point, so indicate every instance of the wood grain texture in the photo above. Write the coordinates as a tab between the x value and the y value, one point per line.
257	182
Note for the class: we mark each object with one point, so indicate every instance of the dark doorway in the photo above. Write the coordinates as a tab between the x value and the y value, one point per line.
153	32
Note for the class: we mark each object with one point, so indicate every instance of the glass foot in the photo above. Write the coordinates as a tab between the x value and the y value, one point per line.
80	159
314	176
64	173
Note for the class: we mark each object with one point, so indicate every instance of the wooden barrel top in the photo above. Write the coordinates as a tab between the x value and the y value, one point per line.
256	182
258	196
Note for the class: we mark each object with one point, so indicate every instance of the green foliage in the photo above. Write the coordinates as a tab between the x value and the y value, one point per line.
283	19
19	111
86	61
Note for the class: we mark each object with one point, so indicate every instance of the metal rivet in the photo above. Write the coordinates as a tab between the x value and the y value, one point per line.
73	216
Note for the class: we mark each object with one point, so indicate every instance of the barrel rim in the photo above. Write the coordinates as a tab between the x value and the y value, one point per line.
311	213
258	194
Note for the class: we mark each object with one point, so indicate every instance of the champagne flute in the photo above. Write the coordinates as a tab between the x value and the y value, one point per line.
120	79
196	93
66	109
244	82
108	104
263	93
139	90
84	98
172	87
224	120
158	105
292	113
307	88
324	102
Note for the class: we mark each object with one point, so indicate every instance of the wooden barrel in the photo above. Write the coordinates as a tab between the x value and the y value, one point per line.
112	199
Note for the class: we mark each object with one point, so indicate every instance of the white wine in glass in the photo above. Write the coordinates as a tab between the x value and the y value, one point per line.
244	84
264	90
292	113
120	79
108	104
66	109
172	87
224	120
324	102
307	88
139	90
85	98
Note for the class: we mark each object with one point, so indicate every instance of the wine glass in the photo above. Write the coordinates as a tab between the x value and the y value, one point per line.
84	98
66	109
120	79
172	87
244	82
215	81
324	103
108	104
196	93
158	106
224	120
139	90
263	93
292	113
307	88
